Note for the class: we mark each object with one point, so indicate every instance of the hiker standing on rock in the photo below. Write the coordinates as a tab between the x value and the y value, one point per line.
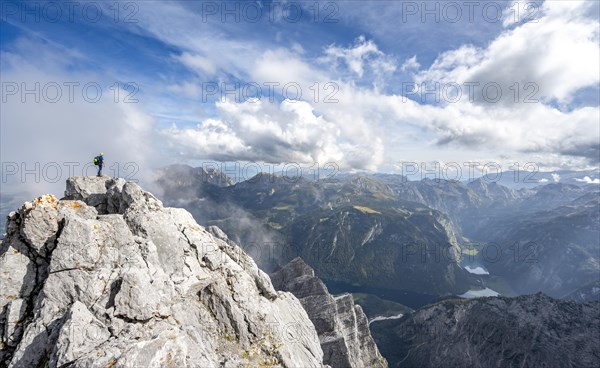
99	160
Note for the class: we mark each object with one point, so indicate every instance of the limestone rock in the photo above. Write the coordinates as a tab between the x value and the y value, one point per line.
342	326
107	276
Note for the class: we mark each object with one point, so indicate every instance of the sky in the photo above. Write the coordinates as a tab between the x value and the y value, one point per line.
359	85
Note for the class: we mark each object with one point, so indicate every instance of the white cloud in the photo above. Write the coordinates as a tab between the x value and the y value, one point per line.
202	64
276	133
559	54
354	57
363	55
410	64
555	177
588	180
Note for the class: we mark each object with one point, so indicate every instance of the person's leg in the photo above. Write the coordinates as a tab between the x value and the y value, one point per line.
99	170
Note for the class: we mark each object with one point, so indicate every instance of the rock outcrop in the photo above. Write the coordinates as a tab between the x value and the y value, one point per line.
108	276
342	326
526	331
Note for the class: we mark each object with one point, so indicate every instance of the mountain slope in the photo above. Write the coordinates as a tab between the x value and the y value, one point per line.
526	331
391	248
554	251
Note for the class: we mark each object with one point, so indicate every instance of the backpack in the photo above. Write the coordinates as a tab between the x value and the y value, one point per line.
96	160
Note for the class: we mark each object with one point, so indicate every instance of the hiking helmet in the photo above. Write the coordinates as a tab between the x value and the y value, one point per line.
101	154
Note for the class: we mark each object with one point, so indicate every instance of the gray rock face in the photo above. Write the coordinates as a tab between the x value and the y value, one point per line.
107	276
526	331
342	326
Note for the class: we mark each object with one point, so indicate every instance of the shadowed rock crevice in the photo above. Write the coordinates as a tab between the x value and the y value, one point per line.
35	237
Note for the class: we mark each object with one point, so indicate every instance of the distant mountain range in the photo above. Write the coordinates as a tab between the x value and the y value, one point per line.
383	230
353	229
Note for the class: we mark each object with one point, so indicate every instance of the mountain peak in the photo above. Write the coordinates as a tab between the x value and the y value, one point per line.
109	276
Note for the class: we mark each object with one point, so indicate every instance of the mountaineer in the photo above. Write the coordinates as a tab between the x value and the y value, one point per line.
99	160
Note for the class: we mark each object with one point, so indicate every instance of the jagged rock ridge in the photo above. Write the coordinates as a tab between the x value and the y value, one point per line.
342	326
107	276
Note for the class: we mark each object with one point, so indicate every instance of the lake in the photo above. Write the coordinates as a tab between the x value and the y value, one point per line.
407	298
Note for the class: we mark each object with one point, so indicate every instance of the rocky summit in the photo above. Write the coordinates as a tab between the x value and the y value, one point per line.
108	276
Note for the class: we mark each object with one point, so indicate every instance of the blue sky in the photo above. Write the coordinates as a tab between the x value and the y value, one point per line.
364	55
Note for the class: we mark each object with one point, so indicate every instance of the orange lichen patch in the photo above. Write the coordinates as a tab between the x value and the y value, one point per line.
76	204
46	199
95	227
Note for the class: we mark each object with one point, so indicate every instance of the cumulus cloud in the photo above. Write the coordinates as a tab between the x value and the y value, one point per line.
549	60
538	67
276	133
531	129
